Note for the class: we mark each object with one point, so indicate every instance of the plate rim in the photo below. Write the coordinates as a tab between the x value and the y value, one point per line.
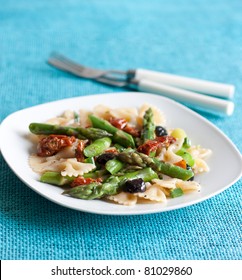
123	213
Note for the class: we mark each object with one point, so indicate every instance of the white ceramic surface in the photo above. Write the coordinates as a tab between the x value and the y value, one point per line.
16	147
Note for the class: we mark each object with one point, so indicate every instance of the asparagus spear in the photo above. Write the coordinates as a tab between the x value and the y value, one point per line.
55	178
140	159
96	174
132	158
148	131
176	192
119	147
79	132
76	117
111	186
186	156
90	191
113	166
119	136
97	147
90	160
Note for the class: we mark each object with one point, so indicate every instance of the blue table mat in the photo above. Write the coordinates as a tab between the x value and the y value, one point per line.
198	38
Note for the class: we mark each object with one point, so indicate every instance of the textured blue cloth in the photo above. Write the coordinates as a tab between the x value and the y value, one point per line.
198	38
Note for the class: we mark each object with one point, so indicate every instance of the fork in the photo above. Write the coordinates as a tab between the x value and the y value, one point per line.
151	81
110	77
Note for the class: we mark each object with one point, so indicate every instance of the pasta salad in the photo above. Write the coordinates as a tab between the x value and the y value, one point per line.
124	155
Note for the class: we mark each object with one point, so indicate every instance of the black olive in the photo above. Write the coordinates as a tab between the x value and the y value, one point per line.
160	131
190	168
134	186
103	158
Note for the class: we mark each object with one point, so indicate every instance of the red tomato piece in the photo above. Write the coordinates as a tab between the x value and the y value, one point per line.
111	151
165	140
119	123
52	144
132	130
152	145
148	147
84	181
79	151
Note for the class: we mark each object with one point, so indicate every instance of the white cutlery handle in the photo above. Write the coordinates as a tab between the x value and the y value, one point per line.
202	86
210	103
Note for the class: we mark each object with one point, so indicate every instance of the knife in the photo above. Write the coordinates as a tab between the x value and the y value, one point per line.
193	92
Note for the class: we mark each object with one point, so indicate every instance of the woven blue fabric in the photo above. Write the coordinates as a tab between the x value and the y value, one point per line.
198	38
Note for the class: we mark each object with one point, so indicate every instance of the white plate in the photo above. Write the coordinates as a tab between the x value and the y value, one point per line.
16	148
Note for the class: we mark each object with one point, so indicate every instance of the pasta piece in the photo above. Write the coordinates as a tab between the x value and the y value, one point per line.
57	121
171	157
161	154
165	191
129	114
153	193
69	115
34	138
66	118
188	186
42	164
169	183
67	152
102	111
175	147
200	166
71	167
169	154
199	152
124	198
159	118
67	167
84	120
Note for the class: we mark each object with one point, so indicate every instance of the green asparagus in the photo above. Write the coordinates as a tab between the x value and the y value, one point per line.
97	147
55	178
119	136
187	143
176	192
186	156
142	160
90	160
76	117
111	186
173	170
79	132
113	166
102	173
90	191
148	131
119	147
132	158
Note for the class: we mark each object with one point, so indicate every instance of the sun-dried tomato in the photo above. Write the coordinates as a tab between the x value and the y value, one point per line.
152	145
132	130
165	140
79	151
52	144
119	123
84	181
123	125
111	150
148	147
